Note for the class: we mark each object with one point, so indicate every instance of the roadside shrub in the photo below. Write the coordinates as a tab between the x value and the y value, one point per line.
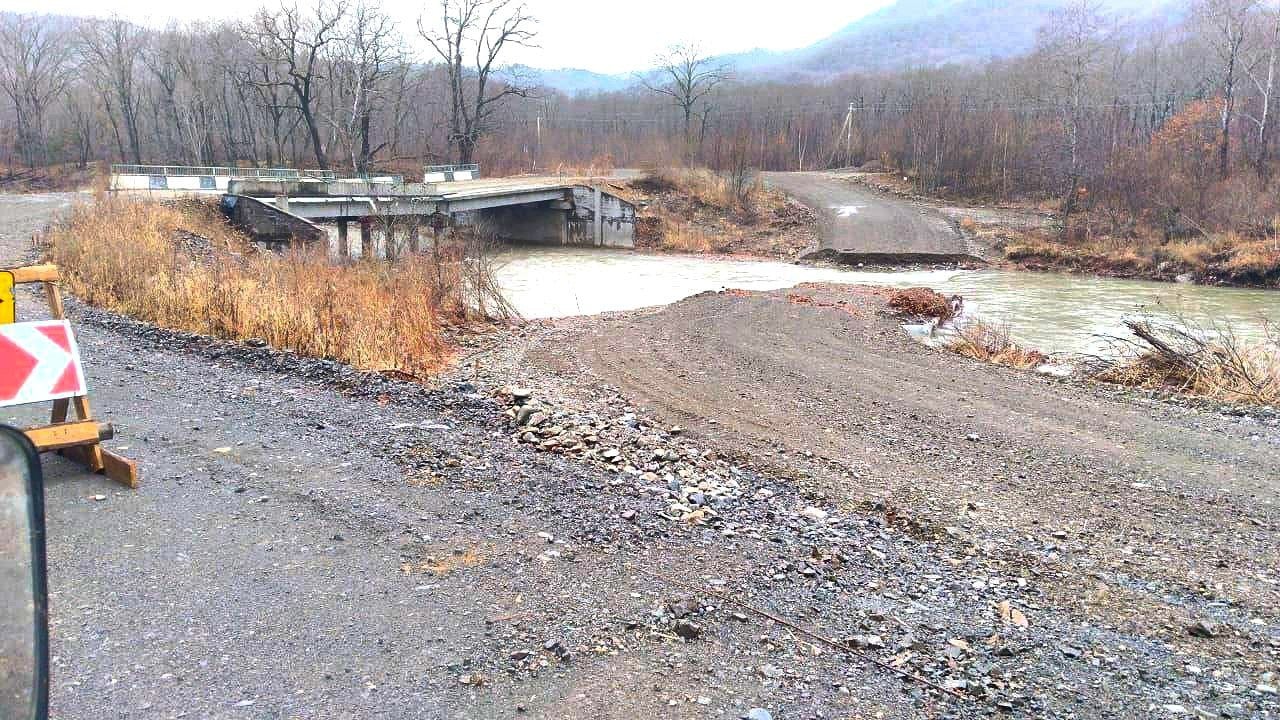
1205	361
992	343
135	258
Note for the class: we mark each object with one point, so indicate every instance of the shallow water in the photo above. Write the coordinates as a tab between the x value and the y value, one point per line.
1055	313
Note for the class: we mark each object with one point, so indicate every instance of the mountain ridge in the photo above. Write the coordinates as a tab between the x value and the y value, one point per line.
906	34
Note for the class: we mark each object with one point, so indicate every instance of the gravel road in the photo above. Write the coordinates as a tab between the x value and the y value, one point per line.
309	541
1134	519
860	225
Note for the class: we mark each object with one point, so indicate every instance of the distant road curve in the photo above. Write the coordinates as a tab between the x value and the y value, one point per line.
860	225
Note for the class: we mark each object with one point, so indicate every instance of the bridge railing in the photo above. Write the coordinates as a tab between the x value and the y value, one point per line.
217	171
473	167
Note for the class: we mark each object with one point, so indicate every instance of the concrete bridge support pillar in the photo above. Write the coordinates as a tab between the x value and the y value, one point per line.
366	239
597	223
344	244
390	244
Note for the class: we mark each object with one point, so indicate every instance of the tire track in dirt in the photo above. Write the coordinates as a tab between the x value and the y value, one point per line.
1178	497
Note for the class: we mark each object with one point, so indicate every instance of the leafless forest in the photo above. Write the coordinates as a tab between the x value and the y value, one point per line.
1168	125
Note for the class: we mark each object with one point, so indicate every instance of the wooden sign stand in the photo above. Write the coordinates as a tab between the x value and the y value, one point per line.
79	440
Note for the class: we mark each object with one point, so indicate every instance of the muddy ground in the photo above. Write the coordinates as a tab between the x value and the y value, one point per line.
1138	526
589	518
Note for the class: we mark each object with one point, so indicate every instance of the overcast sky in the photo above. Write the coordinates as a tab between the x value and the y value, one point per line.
606	37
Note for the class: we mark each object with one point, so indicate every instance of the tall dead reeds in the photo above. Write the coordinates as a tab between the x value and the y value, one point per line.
181	266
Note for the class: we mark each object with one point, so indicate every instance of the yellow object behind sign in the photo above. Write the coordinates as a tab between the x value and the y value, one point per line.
8	310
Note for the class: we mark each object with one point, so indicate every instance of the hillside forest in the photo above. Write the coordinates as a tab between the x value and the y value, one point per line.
1165	124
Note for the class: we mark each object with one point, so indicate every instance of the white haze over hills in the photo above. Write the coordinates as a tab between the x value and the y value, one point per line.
908	33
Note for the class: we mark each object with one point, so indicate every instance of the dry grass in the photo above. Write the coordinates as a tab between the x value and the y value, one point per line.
699	211
678	236
1204	361
991	343
1228	257
136	258
712	189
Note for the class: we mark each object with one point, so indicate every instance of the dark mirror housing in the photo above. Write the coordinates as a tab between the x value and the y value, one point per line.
24	610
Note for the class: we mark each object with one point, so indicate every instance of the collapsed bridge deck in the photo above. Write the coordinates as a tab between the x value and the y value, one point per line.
534	210
279	206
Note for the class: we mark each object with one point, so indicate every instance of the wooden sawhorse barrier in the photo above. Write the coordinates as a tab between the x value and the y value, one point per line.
81	439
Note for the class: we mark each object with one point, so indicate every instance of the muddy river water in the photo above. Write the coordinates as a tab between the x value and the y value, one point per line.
1052	312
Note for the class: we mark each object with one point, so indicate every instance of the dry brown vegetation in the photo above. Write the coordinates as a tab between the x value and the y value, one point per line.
1220	258
68	176
921	302
181	266
1207	362
700	211
992	343
1180	357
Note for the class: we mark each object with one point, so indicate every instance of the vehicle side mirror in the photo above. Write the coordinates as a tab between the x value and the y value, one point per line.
24	609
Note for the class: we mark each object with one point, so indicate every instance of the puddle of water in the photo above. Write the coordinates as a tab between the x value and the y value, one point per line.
1055	313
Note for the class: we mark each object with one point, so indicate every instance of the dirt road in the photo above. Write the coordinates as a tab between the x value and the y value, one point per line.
861	225
1136	519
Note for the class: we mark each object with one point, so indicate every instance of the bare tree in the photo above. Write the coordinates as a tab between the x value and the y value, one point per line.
35	70
688	77
1262	72
469	40
80	110
111	48
290	43
366	57
1074	45
1228	21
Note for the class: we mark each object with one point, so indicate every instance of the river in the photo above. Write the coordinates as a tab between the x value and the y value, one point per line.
1052	312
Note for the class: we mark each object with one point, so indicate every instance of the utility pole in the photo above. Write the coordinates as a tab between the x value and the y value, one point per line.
847	131
848	143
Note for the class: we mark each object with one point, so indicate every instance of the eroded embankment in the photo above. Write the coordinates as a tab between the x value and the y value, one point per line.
1131	520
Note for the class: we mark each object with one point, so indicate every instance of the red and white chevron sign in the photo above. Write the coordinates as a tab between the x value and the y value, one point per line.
39	361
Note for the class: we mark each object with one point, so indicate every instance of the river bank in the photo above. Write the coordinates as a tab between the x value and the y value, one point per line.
1056	313
1028	236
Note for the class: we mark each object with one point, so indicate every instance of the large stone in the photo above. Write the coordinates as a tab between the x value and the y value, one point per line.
814	514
